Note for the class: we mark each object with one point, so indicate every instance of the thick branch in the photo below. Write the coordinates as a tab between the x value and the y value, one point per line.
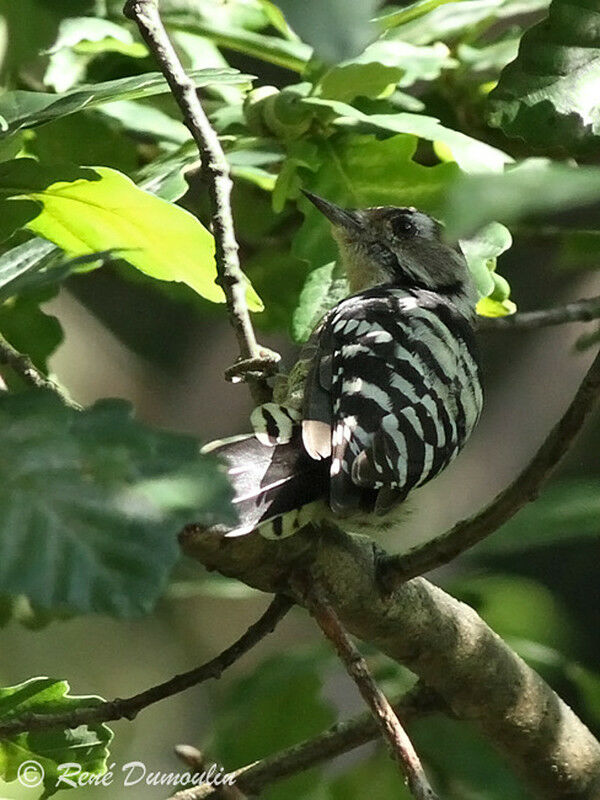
338	739
521	491
391	729
440	639
584	310
129	707
25	369
216	170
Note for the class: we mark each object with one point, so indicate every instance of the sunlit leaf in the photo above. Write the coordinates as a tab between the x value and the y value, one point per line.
381	65
92	502
469	153
290	54
74	31
22	109
548	95
430	21
34	759
87	210
481	252
324	287
410	12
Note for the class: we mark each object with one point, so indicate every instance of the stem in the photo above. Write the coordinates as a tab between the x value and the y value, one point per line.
399	743
340	738
30	374
216	172
584	310
129	707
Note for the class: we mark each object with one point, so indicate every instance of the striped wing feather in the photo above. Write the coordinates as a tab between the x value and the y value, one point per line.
404	393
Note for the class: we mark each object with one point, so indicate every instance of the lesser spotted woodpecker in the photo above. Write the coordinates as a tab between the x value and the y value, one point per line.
386	392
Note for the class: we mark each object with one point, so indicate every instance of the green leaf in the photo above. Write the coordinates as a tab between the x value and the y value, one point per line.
470	154
38	264
441	23
247	14
35	758
75	30
376	777
464	763
249	720
165	175
92	502
382	64
532	186
16	214
26	258
481	252
85	139
88	210
568	511
147	121
360	171
290	54
517	607
25	109
493	56
335	29
78	41
30	330
324	287
488	307
548	94
409	13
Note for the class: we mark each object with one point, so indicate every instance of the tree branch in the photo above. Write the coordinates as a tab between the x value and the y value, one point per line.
193	758
216	171
391	729
129	707
438	638
524	489
32	376
334	741
584	310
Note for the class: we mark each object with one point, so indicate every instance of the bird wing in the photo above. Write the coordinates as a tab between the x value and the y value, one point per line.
402	384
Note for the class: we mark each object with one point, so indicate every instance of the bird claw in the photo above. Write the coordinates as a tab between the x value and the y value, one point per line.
259	368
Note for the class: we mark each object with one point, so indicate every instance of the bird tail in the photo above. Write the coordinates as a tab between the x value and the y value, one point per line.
275	488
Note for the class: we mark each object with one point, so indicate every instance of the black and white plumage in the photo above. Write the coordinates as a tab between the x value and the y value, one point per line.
392	389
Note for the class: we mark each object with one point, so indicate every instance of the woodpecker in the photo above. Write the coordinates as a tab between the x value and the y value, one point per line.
385	394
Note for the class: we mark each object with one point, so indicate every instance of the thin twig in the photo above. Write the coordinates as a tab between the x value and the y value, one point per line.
195	759
333	742
524	489
216	171
584	310
129	707
25	369
400	745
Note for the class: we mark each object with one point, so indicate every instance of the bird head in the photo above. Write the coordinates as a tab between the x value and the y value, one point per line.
397	246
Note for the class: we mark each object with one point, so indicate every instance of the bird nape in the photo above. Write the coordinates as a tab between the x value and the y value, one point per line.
390	385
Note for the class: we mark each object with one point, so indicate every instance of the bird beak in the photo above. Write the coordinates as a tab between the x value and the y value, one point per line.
335	214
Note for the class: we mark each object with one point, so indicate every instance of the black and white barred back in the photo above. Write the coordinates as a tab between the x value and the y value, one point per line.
391	394
395	384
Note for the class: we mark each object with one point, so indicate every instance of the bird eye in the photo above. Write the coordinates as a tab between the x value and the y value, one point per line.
402	226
